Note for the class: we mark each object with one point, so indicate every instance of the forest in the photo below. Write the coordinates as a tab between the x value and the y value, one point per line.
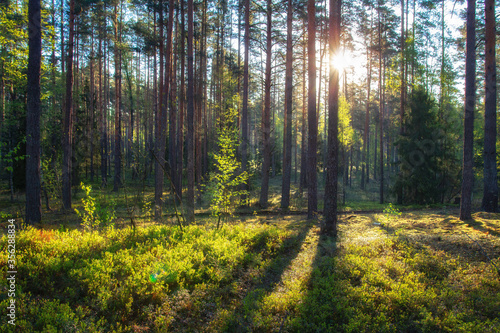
249	166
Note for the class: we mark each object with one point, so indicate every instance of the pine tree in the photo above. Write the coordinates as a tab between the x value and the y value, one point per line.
33	112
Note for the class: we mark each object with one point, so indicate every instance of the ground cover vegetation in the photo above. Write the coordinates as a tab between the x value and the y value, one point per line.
422	271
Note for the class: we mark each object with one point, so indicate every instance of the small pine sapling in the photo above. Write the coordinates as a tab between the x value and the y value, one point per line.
227	179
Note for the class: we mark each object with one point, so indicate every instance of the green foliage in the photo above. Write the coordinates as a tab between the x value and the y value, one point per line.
391	212
13	155
426	154
95	213
112	279
346	132
13	42
50	179
227	180
247	277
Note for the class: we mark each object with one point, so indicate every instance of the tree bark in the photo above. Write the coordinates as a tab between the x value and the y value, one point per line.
33	112
470	103
490	194
118	81
160	127
102	108
169	94
303	148
190	119
266	114
244	110
68	114
182	98
381	110
287	131
366	134
91	102
312	192
402	102
330	210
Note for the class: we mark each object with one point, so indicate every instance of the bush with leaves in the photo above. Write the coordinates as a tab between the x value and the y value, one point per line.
95	213
227	179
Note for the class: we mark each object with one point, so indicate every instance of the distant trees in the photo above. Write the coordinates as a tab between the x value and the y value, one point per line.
423	160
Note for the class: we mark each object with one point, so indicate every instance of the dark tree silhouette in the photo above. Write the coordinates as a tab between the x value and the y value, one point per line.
33	112
68	113
490	194
287	139
190	119
330	212
266	114
312	192
470	103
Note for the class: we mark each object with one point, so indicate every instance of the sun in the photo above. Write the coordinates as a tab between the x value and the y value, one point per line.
342	61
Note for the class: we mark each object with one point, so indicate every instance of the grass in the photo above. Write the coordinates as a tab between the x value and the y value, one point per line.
421	271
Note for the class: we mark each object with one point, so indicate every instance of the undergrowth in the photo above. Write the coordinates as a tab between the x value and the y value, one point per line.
117	280
269	275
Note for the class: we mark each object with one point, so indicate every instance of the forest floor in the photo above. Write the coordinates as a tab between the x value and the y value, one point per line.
413	271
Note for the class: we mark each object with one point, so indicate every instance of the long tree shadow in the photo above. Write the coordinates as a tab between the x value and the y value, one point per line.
368	282
459	244
324	305
484	227
242	318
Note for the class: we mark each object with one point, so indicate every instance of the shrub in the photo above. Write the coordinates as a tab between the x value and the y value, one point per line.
96	213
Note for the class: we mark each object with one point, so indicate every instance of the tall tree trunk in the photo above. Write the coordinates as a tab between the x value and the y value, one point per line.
170	94
490	194
402	97
92	88
118	81
287	131
266	114
366	134
190	118
33	112
102	110
62	37
312	193
160	128
381	109
470	103
68	114
182	98
303	148
244	110
330	211
382	102
198	108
